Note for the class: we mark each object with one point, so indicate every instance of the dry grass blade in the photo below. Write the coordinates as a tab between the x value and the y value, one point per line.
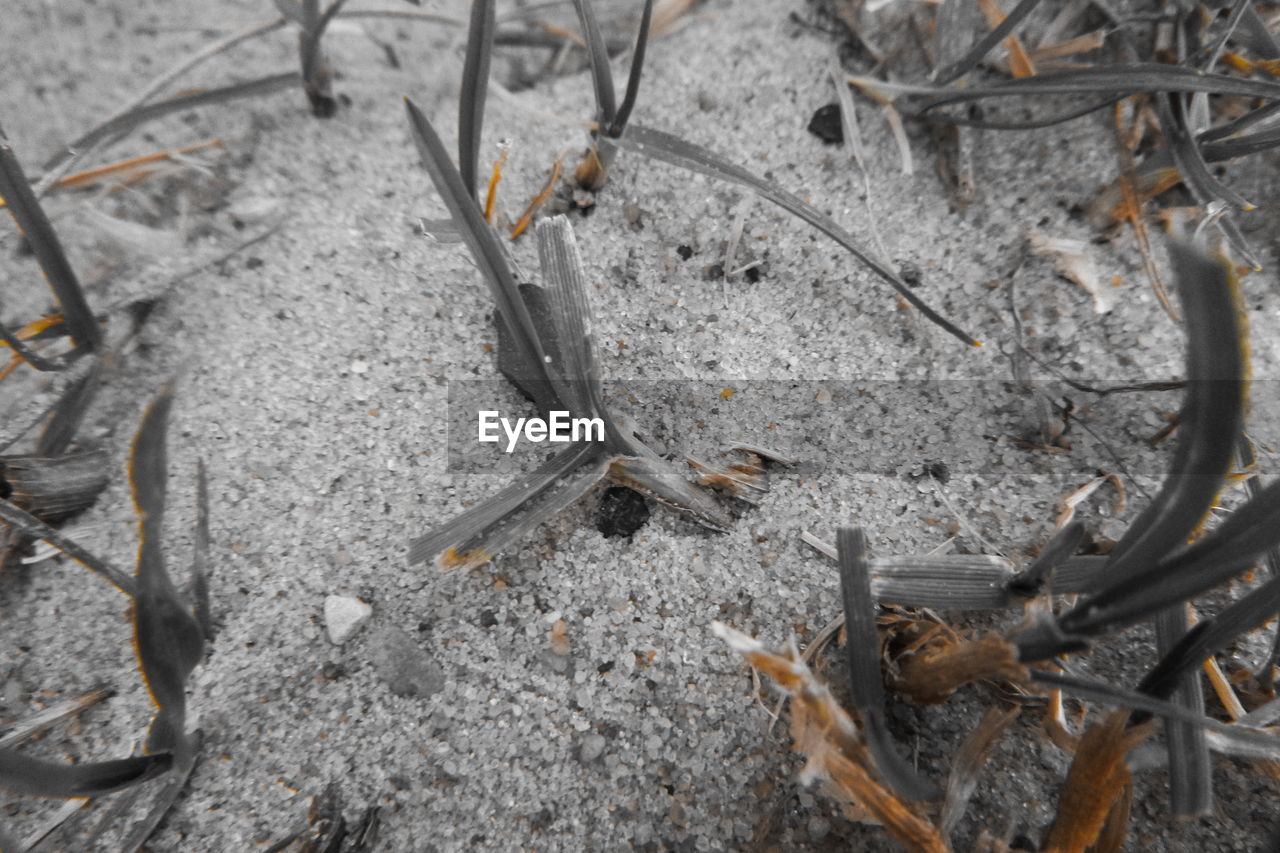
969	761
35	226
862	647
35	777
475	86
31	356
184	760
169	640
37	529
825	733
544	195
932	673
1095	784
983	46
671	149
36	723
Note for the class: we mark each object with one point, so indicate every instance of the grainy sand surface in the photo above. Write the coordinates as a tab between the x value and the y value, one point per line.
314	370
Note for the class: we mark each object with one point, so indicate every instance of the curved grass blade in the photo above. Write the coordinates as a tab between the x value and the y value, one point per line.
983	46
475	86
480	239
31	220
479	534
619	123
601	73
862	646
1114	80
169	640
1190	770
671	149
1212	415
35	777
37	529
140	115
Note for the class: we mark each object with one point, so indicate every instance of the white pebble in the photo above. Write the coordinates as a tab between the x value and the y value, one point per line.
343	616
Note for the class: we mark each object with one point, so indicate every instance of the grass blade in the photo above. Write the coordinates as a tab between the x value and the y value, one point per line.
862	646
1115	80
985	45
475	86
200	557
480	239
1056	552
35	777
1190	779
69	412
168	638
973	755
601	73
140	115
479	534
37	529
619	123
677	152
34	224
1209	636
184	761
1212	415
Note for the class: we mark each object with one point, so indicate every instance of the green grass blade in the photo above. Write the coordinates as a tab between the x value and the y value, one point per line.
475	86
862	647
619	123
30	217
985	44
601	73
35	777
671	149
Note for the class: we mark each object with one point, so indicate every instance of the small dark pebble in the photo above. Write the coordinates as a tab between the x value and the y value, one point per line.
685	252
622	512
488	619
605	667
753	274
911	273
826	125
332	671
938	471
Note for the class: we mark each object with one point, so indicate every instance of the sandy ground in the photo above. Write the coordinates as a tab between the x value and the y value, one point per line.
314	369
